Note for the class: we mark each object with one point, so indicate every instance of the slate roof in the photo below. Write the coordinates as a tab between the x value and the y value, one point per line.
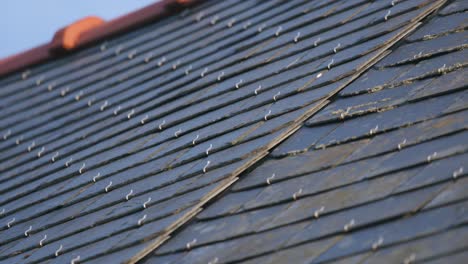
245	131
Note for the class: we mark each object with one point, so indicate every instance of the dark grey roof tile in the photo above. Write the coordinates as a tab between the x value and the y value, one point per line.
228	204
221	229
372	124
439	26
318	180
299	164
419	50
387	208
367	103
398	231
454	7
450	82
339	199
251	245
422	153
302	140
139	236
417	250
437	65
412	134
453	193
300	254
166	259
374	80
439	170
455	258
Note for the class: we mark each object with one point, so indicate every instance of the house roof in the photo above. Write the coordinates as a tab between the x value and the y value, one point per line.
244	131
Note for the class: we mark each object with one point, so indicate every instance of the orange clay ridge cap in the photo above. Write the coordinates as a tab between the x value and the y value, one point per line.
68	37
89	30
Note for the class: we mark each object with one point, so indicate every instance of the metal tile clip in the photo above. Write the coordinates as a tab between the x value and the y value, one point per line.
401	144
209	149
457	173
190	244
144	119
257	89
95	178
30	147
40	152
75	260
296	194
57	252
26	233
162	124
161	61
316	42
11	222
214	20
335	49
431	157
194	141
177	133
239	83
203	73
378	243
104	105
231	23
296	38
130	114
275	97
175	65
269	179
108	186
116	110
189	68
206	166
331	63
387	15
267	115
129	194
82	168
317	212
68	162
41	242
278	31
220	76
145	204
374	130
54	157
349	225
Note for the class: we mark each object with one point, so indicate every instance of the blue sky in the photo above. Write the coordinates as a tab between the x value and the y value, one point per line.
25	24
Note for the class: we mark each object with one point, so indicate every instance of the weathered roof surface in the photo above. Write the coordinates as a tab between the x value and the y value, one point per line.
166	141
376	176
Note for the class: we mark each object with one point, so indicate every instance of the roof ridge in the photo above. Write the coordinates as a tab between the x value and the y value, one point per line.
89	30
